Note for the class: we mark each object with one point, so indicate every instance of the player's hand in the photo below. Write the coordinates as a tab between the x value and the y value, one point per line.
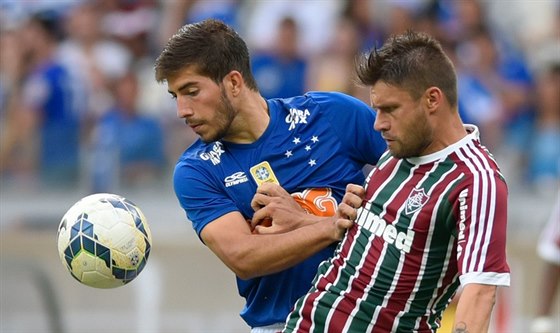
347	211
276	211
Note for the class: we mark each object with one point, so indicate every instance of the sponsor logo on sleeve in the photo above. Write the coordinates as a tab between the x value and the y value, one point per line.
463	206
213	155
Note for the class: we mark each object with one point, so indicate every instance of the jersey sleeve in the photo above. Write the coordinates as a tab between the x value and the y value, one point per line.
481	217
199	195
353	121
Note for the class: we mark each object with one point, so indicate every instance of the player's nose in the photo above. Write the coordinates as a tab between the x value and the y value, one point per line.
184	108
381	123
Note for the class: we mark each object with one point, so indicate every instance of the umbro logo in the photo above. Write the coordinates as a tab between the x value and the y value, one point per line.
236	179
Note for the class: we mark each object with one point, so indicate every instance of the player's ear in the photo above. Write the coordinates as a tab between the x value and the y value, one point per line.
233	82
433	98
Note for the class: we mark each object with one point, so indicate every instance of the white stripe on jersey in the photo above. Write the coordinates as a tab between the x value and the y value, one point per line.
426	252
492	206
397	190
482	220
429	238
378	265
472	227
413	219
350	280
478	221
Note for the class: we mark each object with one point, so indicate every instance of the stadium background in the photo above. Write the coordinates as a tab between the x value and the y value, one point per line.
503	51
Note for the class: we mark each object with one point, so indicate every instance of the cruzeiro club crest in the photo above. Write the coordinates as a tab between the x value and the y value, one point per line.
416	200
263	173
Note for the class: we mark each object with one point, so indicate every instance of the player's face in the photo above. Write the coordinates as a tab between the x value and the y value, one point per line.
203	104
402	121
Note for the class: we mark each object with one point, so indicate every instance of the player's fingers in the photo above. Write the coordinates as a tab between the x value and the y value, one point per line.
262	230
342	225
352	199
259	216
259	200
271	189
357	190
347	211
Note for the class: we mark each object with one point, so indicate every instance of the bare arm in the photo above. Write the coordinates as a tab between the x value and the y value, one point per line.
250	255
269	250
474	308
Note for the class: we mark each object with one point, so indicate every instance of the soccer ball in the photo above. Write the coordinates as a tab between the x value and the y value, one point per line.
104	240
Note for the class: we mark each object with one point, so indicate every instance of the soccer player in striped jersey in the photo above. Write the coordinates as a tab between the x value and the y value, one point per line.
434	212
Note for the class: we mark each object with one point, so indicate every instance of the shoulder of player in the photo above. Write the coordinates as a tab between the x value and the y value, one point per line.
321	100
198	162
333	98
199	152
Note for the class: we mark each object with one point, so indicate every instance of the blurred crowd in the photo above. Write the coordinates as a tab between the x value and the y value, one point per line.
79	105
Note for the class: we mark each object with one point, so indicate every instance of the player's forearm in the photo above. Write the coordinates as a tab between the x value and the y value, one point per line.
268	254
474	308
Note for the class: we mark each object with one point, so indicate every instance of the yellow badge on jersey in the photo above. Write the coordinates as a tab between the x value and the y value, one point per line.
263	173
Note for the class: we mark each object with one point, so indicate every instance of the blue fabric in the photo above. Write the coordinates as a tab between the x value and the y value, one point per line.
327	145
49	93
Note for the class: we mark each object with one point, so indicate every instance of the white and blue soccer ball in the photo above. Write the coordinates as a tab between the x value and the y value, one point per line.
104	240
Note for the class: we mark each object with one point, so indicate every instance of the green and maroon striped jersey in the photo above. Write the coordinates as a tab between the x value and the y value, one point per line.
428	224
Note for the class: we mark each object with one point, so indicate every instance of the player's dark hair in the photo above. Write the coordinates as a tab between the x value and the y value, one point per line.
211	47
414	61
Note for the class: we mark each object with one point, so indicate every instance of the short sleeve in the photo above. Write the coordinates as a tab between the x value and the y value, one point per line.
200	196
480	209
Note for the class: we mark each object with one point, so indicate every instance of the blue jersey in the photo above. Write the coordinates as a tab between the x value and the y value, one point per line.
314	146
48	91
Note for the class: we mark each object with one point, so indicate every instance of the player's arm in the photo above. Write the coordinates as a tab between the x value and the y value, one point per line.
480	211
250	255
474	308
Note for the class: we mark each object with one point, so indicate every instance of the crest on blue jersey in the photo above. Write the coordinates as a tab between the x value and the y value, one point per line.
263	173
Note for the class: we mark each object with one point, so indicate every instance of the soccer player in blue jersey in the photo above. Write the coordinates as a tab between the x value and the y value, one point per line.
312	145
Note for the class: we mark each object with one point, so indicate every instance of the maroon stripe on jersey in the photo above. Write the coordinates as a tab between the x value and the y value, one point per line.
477	212
326	279
393	208
385	170
493	248
306	316
487	214
413	261
337	262
496	212
484	204
360	282
365	273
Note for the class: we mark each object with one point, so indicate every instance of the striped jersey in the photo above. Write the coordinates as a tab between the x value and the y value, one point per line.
427	225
